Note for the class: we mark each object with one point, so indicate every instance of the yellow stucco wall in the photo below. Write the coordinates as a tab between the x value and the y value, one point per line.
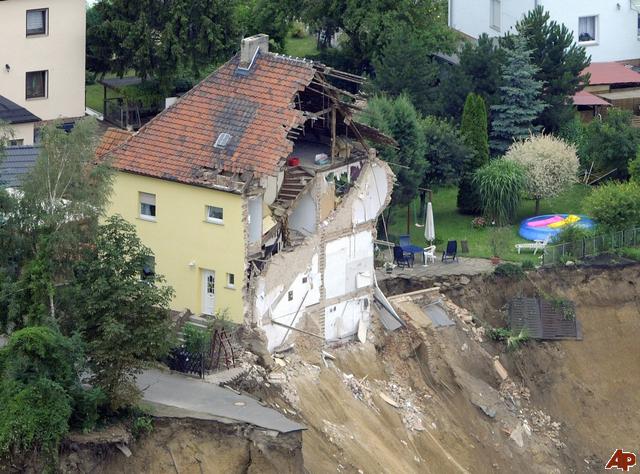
181	235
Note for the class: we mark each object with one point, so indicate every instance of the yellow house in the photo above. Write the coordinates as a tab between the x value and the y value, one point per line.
249	165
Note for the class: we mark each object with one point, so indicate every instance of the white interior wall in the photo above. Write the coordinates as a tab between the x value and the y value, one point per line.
350	259
305	292
255	219
304	218
372	192
342	319
272	187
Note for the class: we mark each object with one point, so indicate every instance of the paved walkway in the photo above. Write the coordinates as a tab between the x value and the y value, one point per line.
186	393
466	266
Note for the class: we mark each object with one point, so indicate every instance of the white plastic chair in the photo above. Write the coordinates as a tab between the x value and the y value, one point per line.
429	254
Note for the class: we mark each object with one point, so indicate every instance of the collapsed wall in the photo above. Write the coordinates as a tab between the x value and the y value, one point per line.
328	279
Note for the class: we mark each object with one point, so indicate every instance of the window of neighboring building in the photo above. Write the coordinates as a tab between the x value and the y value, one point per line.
587	29
37	84
149	269
18	142
496	14
231	280
148	206
37	22
638	25
215	215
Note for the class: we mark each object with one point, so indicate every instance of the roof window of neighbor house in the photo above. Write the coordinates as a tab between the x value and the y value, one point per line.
496	14
223	140
37	22
587	29
148	206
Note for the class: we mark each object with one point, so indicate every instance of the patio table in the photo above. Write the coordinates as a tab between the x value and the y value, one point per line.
414	249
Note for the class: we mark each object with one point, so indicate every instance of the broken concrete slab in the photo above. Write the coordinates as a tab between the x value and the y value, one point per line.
501	371
389	400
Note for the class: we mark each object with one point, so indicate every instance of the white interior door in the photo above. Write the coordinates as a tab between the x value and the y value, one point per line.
208	291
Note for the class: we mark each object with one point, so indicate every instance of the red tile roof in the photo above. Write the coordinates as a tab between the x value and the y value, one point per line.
611	73
112	138
254	107
586	98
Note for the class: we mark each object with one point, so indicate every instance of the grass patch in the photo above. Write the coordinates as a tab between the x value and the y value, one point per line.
450	225
301	47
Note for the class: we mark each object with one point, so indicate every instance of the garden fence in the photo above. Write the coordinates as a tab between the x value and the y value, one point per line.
590	246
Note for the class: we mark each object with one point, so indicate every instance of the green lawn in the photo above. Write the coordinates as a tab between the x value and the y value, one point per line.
450	225
301	47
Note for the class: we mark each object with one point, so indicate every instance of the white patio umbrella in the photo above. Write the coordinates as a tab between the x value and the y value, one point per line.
429	227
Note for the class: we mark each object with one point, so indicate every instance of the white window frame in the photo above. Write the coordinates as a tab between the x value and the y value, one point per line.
492	14
45	88
213	220
45	11
596	29
150	200
231	281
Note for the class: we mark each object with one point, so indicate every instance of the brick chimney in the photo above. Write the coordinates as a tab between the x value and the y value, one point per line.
250	46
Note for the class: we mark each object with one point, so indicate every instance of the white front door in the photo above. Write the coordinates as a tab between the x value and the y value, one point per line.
208	291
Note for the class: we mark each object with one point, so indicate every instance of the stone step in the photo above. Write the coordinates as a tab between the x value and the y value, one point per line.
225	376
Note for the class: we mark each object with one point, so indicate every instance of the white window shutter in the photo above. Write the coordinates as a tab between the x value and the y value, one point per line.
35	20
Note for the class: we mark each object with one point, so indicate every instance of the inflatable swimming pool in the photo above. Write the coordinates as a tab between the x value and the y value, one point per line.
550	225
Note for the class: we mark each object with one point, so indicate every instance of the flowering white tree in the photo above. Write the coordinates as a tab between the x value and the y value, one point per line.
551	165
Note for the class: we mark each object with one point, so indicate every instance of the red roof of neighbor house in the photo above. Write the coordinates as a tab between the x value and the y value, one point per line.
255	107
586	98
611	73
112	138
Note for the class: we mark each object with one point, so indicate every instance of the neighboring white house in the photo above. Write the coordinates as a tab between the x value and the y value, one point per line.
42	59
609	29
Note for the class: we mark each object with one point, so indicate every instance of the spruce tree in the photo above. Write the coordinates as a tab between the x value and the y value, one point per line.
520	103
474	132
560	61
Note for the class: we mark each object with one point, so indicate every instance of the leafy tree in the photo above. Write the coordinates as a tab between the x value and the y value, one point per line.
271	17
614	206
404	68
158	39
560	63
500	184
446	151
519	105
551	165
479	71
610	143
399	119
367	26
634	168
62	199
474	132
122	317
41	395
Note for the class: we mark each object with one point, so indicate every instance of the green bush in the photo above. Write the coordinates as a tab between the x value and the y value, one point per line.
298	30
528	265
614	206
33	418
196	339
500	184
509	270
142	425
634	168
632	253
572	233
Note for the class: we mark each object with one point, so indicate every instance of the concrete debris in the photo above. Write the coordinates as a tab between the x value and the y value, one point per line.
326	355
124	449
280	362
277	377
517	436
464	280
389	400
360	389
501	371
337	434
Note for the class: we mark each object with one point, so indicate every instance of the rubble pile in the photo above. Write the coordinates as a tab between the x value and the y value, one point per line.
360	389
406	400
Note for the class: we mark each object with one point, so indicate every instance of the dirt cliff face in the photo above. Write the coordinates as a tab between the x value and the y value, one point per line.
192	446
